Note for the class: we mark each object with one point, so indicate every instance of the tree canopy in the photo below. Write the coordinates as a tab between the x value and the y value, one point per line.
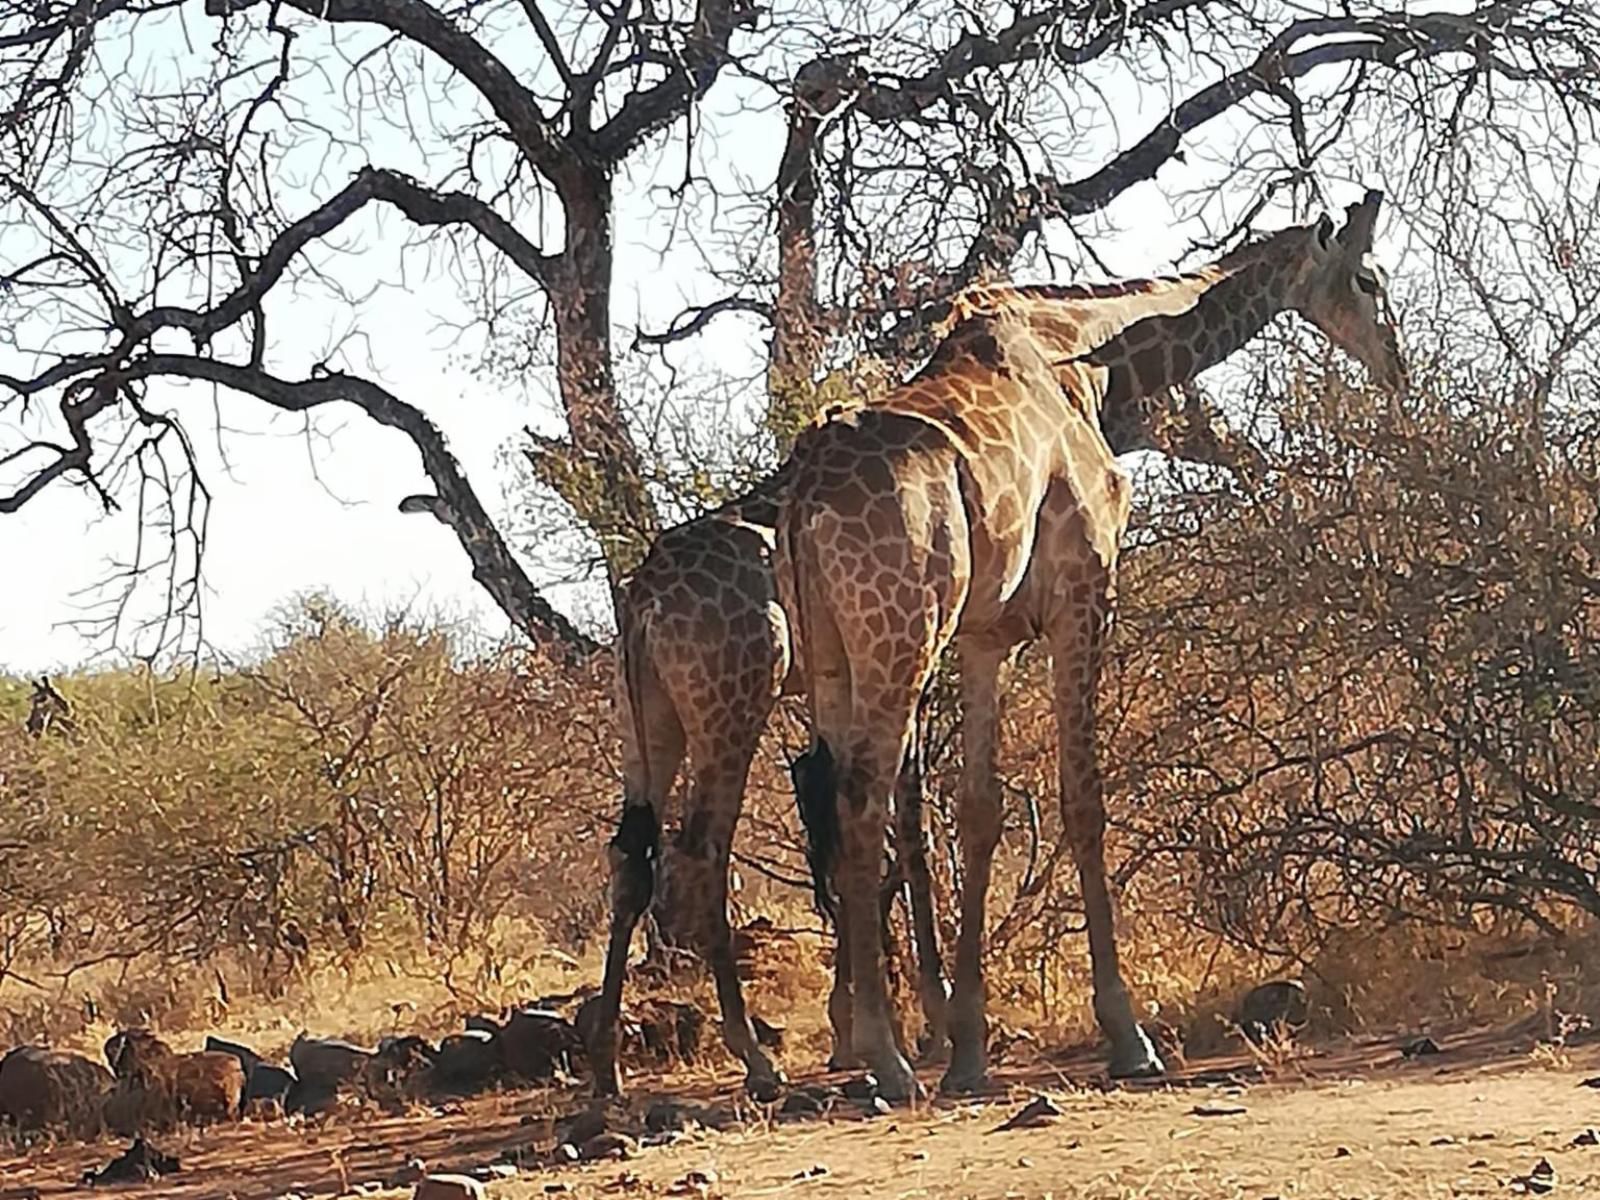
179	180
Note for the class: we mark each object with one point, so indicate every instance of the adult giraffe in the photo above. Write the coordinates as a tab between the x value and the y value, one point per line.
704	654
980	503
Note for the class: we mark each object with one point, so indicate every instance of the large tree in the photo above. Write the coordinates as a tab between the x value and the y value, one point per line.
176	176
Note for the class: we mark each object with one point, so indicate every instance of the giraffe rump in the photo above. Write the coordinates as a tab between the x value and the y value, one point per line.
816	788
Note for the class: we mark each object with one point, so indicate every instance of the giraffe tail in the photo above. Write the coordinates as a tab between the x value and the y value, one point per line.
814	773
816	790
637	841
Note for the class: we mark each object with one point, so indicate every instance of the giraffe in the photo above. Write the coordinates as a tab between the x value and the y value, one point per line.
48	709
704	654
980	504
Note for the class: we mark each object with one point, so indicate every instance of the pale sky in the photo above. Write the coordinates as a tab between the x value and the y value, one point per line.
279	527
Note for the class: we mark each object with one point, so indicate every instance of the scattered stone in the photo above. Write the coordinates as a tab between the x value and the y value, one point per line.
1477	1164
608	1145
861	1089
876	1107
1041	1110
1444	1140
404	1176
1540	1180
814	1171
1219	1110
1419	1047
139	1163
665	1115
1341	1152
1589	1137
449	1187
491	1172
580	1127
918	1156
1592	1082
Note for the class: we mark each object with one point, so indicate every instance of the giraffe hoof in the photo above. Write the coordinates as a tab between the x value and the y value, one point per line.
964	1083
1138	1061
898	1083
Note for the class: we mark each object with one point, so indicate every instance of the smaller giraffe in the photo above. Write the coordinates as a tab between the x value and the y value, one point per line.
49	710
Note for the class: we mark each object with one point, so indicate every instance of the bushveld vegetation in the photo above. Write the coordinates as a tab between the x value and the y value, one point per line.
1350	716
1351	731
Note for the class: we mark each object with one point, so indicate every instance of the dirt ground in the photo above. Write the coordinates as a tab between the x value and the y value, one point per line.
1354	1120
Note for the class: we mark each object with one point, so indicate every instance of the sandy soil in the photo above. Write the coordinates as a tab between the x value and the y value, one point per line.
1357	1120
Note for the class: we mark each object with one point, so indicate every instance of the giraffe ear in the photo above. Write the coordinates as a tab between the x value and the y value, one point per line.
1356	236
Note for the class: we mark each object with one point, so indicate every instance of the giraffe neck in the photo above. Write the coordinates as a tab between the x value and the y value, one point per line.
1174	317
1166	349
759	505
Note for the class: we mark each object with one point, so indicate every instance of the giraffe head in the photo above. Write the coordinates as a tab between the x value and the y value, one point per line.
1195	431
1343	292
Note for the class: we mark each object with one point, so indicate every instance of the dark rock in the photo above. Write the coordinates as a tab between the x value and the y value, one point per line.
1419	1048
768	1035
862	1088
1041	1110
139	1163
1279	1006
664	1115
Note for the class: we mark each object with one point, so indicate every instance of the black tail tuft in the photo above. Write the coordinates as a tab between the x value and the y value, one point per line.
638	842
816	790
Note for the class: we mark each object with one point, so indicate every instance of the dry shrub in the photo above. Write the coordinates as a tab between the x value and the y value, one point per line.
355	792
1349	723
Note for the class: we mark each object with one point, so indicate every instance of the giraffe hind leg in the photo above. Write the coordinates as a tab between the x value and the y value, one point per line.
698	876
932	989
633	853
815	776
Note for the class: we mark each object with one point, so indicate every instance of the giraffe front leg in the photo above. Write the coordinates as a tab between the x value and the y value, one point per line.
979	830
1076	652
